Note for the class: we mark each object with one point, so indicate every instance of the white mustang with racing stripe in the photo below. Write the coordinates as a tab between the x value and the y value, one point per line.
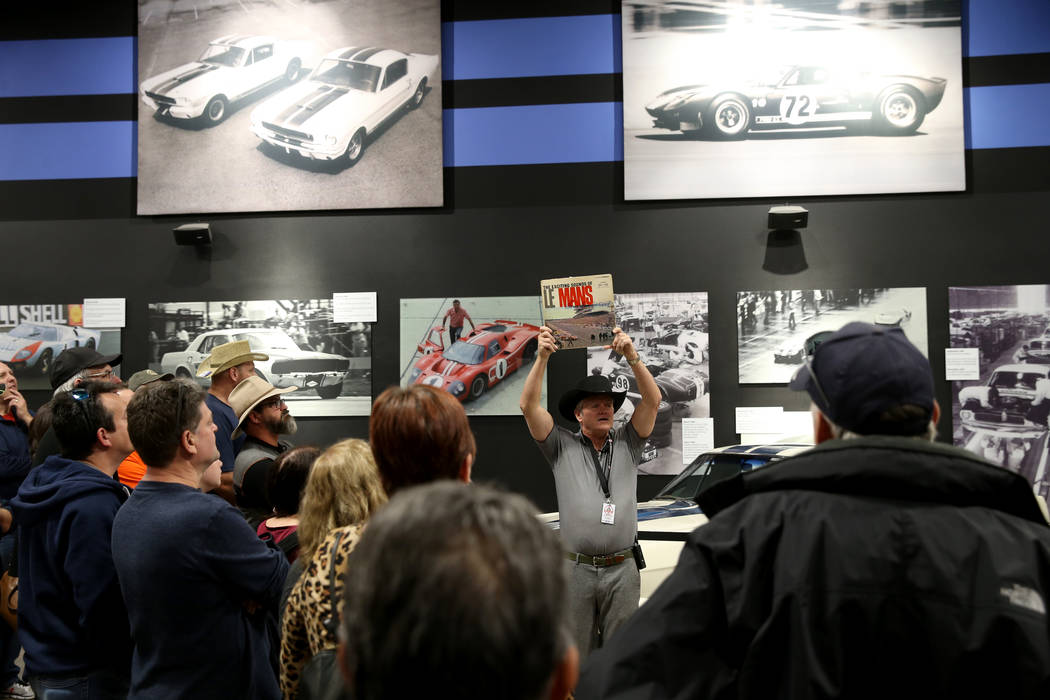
351	92
231	68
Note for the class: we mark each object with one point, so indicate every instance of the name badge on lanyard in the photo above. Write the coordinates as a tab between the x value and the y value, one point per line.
609	513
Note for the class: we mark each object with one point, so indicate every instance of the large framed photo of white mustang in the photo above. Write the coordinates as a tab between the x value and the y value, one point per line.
250	106
802	97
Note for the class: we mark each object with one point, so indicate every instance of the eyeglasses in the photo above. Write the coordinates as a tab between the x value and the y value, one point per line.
272	403
104	374
80	396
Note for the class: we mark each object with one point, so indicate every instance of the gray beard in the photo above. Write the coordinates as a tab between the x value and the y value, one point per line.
285	425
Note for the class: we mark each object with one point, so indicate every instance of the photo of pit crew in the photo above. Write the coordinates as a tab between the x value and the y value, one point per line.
773	325
670	334
33	335
263	106
1002	415
328	363
480	367
739	99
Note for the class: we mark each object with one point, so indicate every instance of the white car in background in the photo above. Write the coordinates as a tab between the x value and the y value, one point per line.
289	365
230	69
34	346
666	520
345	99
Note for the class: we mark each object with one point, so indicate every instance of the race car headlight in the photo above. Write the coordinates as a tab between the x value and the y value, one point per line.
415	374
330	140
966	415
22	354
456	388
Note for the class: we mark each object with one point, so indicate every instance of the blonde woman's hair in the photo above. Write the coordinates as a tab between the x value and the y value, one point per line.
343	489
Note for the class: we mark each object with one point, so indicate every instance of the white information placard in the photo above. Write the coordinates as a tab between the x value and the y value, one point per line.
354	307
698	436
104	313
962	364
758	419
794	427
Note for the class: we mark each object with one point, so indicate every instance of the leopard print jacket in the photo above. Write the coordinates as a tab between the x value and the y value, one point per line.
302	630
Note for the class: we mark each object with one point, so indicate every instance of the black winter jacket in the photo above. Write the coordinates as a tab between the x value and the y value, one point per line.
882	568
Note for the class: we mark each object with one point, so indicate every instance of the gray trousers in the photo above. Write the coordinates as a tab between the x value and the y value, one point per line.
600	600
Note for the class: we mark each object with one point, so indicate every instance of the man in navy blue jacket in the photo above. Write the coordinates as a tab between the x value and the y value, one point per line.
72	620
201	587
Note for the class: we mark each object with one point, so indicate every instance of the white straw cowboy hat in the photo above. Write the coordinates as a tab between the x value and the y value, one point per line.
249	394
229	355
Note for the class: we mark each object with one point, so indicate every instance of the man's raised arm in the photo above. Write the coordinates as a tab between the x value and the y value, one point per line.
538	418
644	418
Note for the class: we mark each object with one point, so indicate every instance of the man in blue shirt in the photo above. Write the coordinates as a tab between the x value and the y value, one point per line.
228	365
200	587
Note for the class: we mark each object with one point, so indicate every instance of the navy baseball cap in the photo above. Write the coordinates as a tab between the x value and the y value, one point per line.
860	371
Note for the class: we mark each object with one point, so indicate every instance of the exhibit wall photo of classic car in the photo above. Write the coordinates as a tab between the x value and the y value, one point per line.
485	367
289	106
1002	415
33	335
802	97
329	364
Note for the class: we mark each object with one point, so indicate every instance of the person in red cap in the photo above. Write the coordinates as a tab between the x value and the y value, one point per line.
878	564
595	477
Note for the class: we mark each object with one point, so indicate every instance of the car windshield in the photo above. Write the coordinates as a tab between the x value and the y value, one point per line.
27	330
467	353
220	55
267	340
709	469
359	76
1015	380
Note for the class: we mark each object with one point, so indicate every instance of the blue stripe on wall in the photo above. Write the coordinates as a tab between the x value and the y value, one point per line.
64	151
997	27
1008	116
67	67
517	48
576	133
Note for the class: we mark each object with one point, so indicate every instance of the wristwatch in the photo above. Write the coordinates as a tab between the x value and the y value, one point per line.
635	361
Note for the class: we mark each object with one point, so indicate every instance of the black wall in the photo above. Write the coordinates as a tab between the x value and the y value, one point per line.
503	229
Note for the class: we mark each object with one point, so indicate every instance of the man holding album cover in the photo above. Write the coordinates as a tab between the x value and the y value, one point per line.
595	476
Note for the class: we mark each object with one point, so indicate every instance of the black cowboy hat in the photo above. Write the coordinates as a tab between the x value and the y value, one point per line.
594	384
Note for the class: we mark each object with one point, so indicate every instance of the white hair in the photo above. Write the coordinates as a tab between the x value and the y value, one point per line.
68	385
840	433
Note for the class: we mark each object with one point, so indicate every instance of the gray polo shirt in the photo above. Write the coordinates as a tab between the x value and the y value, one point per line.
580	495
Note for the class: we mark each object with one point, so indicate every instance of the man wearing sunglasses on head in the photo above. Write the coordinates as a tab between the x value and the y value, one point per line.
878	564
263	416
71	617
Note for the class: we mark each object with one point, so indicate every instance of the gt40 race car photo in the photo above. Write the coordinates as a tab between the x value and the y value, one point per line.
231	68
798	97
32	346
351	93
289	365
475	362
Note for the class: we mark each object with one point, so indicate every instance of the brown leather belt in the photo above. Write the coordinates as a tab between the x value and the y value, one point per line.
604	560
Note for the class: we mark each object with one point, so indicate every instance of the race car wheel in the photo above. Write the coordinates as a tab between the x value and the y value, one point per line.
182	373
901	111
730	118
43	365
355	147
90	343
419	94
330	392
215	112
478	386
291	73
529	353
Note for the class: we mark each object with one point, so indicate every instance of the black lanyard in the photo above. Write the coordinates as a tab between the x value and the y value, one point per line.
603	480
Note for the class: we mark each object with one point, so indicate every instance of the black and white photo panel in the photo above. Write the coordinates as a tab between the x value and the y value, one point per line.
329	364
283	106
802	97
1002	415
772	326
670	332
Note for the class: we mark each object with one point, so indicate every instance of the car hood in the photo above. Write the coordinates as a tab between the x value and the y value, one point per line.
9	342
659	509
448	368
318	107
300	355
191	79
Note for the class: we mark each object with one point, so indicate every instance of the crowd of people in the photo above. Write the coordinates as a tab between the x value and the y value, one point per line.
169	541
